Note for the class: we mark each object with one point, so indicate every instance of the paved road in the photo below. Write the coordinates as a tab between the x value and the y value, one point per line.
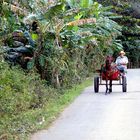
100	117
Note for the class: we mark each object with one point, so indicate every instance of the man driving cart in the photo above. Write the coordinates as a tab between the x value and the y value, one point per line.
121	62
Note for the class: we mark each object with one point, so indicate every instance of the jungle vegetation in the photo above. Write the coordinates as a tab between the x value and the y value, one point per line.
74	38
130	22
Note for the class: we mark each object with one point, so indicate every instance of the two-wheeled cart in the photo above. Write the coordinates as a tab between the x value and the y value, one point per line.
121	80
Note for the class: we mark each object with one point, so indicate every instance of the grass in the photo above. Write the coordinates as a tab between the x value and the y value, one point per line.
56	106
22	126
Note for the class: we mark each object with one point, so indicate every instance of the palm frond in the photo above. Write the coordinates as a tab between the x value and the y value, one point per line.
16	9
82	22
86	3
56	9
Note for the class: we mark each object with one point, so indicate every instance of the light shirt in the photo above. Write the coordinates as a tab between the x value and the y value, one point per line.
120	60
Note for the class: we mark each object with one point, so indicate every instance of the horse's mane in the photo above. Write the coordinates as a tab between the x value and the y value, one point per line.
107	64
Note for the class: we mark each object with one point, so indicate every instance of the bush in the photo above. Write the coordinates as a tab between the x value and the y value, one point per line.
26	100
20	91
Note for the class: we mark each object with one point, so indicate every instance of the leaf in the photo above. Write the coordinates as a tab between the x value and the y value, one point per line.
84	3
82	22
42	60
16	9
75	28
77	17
54	10
30	64
118	45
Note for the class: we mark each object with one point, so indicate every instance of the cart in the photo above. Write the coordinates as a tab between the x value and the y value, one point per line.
121	80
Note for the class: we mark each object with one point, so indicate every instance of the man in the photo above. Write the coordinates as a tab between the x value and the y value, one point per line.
121	62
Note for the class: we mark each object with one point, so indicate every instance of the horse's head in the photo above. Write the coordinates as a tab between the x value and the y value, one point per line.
109	60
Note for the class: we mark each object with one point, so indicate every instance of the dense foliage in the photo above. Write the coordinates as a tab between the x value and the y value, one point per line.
74	37
27	103
20	92
130	22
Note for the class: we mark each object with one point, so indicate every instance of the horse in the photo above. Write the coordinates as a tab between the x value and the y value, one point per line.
107	73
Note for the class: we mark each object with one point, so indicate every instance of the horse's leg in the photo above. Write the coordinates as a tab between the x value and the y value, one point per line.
106	86
110	88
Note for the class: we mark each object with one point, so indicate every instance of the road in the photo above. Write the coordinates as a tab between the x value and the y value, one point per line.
96	116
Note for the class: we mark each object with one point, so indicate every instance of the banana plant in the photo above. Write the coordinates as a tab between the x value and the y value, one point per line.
71	34
69	26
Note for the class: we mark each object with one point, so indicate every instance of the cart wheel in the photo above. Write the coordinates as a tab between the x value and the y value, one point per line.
96	84
124	84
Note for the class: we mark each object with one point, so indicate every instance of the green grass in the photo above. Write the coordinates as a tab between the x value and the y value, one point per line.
56	106
21	126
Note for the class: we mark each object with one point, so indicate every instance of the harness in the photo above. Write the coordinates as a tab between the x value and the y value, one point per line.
110	74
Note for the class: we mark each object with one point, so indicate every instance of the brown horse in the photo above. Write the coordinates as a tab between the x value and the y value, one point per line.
107	73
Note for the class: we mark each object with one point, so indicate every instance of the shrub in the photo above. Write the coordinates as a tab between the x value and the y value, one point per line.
20	91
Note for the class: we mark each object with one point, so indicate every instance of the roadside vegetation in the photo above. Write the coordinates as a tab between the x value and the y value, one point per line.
27	104
129	12
74	38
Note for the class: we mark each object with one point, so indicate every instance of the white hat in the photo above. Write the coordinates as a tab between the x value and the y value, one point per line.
122	52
